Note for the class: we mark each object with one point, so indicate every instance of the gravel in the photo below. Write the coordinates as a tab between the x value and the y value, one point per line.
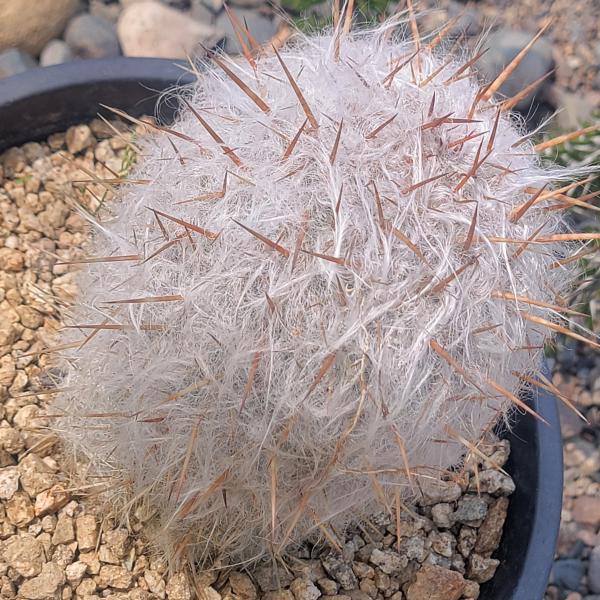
576	570
57	543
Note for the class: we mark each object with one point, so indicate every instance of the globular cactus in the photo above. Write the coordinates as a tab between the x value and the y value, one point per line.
331	275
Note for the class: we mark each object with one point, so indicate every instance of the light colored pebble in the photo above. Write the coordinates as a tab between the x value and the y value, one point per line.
78	138
64	532
178	587
115	577
389	562
327	586
19	509
493	482
25	555
36	475
304	589
75	572
441	491
87	532
481	569
46	585
156	584
9	482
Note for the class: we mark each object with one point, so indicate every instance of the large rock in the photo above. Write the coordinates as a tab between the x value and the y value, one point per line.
115	576
14	61
30	24
504	44
92	37
19	510
151	29
270	579
242	586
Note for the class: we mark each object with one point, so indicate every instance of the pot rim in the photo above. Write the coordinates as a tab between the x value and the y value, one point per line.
62	93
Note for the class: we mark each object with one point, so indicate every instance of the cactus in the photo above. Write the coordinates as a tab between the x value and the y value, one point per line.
321	285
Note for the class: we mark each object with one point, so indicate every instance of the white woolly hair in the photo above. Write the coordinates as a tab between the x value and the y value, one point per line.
332	277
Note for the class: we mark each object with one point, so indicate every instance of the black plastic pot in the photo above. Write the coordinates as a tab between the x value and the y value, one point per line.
44	101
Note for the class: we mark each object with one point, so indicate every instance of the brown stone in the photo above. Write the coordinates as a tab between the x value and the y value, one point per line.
114	576
472	590
490	531
46	585
117	541
64	532
78	138
481	569
87	532
178	588
51	500
25	555
10	439
11	260
30	317
36	475
9	482
586	509
156	584
8	333
19	510
75	572
436	583
242	585
280	595
86	587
